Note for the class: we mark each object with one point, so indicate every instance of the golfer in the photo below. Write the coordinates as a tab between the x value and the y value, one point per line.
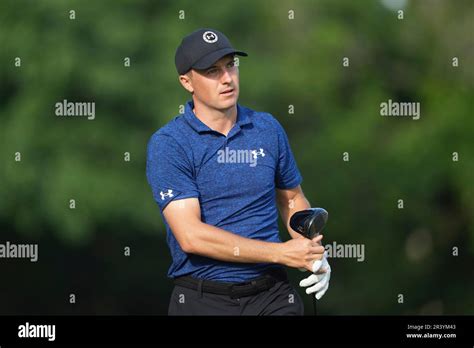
220	173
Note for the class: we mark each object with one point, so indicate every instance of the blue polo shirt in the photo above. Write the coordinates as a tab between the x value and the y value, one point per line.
234	177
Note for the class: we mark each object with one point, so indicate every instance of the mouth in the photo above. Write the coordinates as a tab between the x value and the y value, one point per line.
229	91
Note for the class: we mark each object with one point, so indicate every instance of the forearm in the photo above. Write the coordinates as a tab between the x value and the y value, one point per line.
291	206
216	243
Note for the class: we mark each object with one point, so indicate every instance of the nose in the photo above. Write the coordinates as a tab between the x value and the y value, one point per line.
226	78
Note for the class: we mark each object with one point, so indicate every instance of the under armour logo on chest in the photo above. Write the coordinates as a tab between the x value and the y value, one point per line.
256	153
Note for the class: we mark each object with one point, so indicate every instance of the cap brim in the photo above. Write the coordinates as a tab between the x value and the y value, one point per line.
207	61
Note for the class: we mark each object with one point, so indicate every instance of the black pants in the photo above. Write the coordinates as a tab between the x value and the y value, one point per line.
281	299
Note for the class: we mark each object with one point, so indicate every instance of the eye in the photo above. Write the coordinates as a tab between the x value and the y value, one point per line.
231	64
211	71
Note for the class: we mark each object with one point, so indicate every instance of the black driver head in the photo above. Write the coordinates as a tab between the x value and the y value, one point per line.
309	222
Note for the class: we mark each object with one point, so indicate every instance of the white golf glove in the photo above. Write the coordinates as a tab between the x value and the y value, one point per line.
318	283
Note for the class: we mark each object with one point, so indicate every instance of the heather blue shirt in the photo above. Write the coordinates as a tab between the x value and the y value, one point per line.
234	177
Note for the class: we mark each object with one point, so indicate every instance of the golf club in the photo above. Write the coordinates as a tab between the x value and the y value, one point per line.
309	223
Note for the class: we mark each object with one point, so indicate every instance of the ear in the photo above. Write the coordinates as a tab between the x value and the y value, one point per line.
186	82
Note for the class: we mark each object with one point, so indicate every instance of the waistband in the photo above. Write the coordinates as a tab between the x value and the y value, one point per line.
234	290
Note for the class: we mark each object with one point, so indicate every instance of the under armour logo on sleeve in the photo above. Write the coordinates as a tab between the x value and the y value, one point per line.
168	194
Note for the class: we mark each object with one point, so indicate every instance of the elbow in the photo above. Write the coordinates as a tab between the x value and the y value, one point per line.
188	236
188	244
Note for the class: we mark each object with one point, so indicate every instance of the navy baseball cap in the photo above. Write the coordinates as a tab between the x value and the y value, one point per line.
201	49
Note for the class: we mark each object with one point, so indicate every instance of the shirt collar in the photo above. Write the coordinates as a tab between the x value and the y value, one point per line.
199	126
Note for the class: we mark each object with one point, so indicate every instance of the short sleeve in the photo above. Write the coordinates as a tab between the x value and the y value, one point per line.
169	172
287	174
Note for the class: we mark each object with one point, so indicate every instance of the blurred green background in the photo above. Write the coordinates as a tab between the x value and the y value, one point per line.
291	62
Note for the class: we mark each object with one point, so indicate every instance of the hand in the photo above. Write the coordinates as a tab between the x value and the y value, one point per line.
302	252
319	280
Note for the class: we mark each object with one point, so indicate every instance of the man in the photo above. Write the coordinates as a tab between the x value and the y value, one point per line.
219	174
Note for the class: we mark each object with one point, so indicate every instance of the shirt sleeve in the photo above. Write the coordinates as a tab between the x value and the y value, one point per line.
169	171
287	174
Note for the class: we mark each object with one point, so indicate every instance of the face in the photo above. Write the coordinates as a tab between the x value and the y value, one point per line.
216	87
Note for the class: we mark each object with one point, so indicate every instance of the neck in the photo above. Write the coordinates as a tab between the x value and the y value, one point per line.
220	120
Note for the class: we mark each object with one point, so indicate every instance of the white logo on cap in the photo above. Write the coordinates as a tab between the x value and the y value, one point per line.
209	37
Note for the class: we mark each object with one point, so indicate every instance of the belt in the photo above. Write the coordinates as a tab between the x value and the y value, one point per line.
234	290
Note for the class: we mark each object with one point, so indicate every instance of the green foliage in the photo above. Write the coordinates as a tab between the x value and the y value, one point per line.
291	62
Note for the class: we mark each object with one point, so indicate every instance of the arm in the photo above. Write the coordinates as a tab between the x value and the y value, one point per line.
196	237
289	201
